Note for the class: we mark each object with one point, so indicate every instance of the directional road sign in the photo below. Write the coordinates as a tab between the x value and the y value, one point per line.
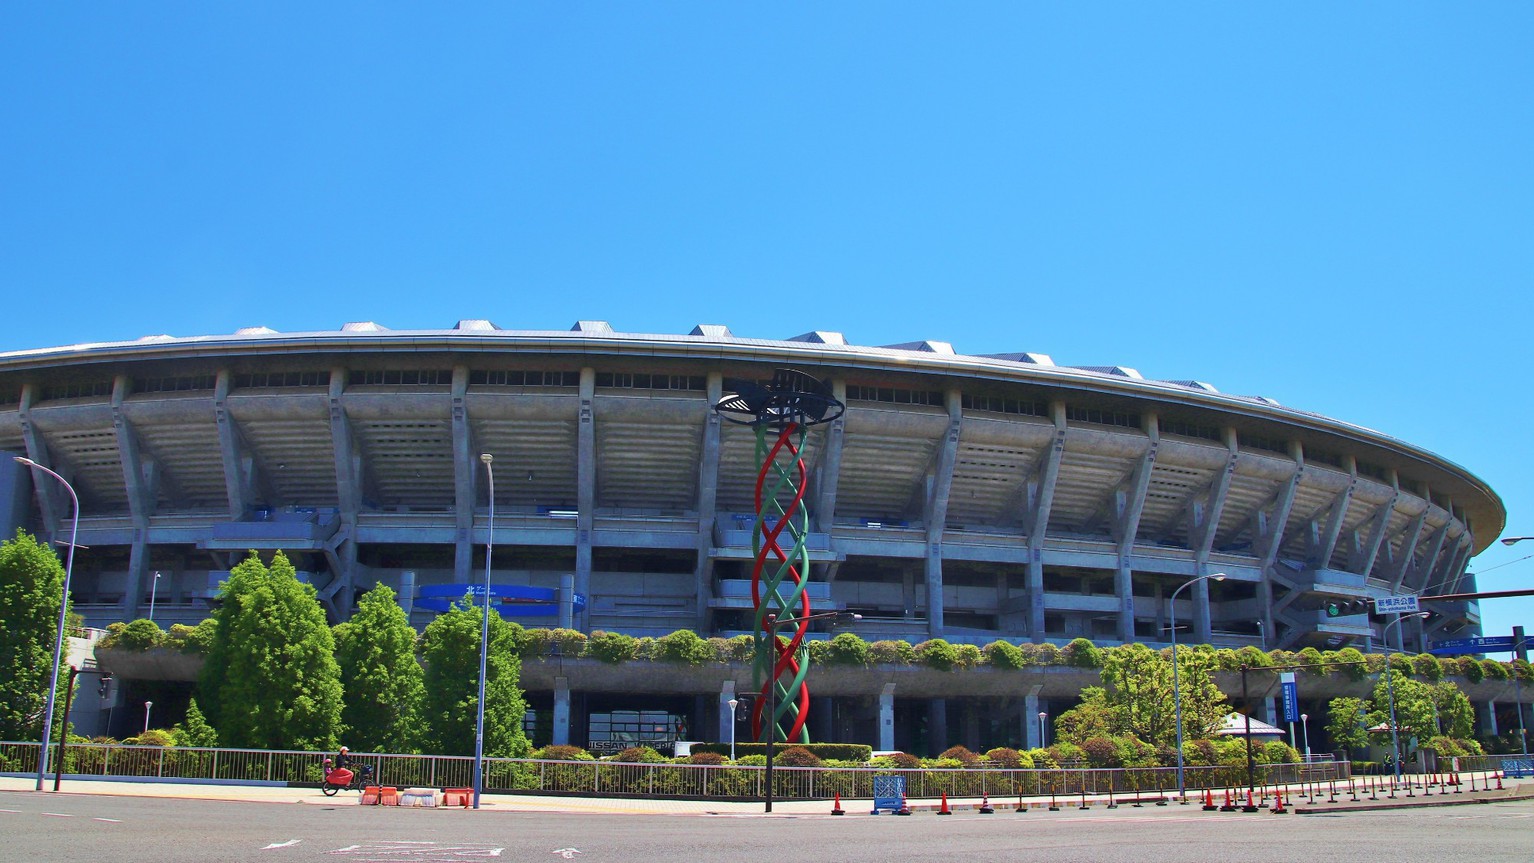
1395	605
1489	644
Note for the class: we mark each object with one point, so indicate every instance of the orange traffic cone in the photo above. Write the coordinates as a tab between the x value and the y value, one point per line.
985	805
943	809
836	808
904	809
1278	802
1209	800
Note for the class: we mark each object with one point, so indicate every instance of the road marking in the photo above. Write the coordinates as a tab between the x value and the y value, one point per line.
288	844
418	850
567	853
109	820
12	811
58	815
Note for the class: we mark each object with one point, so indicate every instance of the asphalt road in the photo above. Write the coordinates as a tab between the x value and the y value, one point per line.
44	827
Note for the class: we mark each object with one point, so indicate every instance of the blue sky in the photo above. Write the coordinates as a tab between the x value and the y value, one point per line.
1326	204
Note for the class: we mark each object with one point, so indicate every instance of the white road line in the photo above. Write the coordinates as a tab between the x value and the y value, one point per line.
58	815
288	844
108	820
12	811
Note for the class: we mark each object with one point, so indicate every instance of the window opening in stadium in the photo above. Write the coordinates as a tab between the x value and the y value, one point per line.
1102	417
281	379
524	378
401	377
894	395
642	381
76	390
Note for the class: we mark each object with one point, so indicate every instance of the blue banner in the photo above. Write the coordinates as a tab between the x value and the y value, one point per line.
1291	692
1489	644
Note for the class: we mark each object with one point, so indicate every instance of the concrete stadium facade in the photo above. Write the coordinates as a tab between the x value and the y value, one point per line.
964	497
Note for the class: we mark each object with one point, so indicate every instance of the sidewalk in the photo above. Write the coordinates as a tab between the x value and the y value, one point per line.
1300	802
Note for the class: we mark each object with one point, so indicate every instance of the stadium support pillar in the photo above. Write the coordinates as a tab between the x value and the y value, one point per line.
343	546
586	489
1031	718
937	726
15	490
1418	580
561	730
37	450
1489	718
1203	629
1270	711
1127	524
887	718
465	472
828	472
236	482
1040	497
708	488
936	514
1401	564
141	498
567	601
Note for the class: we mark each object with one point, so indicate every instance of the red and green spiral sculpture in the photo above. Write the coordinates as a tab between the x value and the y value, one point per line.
781	413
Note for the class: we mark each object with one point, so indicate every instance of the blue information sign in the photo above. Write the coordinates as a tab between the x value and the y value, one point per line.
1291	692
1489	644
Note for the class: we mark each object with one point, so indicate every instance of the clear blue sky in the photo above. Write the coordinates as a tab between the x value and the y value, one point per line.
1328	204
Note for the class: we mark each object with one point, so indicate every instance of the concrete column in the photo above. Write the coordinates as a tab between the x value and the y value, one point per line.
828	476
466	471
15	493
1042	495
1203	629
567	600
235	479
52	500
822	711
972	726
1031	718
1128	525
586	489
407	592
561	736
887	718
937	726
1489	718
936	514
1270	710
708	488
1123	585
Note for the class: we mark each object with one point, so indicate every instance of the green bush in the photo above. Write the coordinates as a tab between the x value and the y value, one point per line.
742	648
1446	746
1351	655
1005	757
139	635
752	761
191	639
709	758
1102	752
847	649
937	653
1426	667
1317	663
1494	670
969	656
1277	752
1043	759
1082	653
1251	657
891	653
684	646
562	753
639	755
1471	670
612	646
1064	752
1040	654
1002	654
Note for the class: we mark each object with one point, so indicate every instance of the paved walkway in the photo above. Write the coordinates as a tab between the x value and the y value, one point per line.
1512	790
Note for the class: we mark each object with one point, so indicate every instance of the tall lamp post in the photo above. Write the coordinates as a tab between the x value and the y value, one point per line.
1176	691
1305	729
154	588
772	622
1395	739
733	702
1523	735
484	636
58	641
147	705
1043	738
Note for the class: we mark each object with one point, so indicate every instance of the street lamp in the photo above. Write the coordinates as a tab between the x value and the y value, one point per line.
58	641
154	587
772	622
1305	729
1511	540
1043	737
733	702
1176	692
147	705
1395	739
484	637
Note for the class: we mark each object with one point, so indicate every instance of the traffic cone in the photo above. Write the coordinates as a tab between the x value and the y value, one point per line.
1278	803
904	809
943	809
1251	804
985	805
836	808
1499	780
1209	801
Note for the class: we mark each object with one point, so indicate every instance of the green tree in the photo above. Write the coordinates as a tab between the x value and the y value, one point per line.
195	731
31	587
380	675
271	680
1456	715
1345	722
450	650
1413	706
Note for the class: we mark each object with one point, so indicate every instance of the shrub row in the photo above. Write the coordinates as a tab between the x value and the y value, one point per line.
857	752
846	649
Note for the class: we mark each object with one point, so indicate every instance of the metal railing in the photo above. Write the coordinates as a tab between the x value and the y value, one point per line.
610	778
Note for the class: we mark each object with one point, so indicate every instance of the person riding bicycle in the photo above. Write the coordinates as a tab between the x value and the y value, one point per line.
341	759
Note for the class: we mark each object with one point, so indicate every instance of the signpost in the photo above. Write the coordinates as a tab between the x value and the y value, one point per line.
1459	646
1396	605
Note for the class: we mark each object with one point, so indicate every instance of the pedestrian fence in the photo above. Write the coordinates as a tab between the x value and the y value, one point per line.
649	780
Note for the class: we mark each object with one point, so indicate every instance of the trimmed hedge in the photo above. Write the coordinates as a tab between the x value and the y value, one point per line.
858	752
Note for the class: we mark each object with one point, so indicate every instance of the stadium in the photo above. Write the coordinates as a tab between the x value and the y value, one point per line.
969	498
